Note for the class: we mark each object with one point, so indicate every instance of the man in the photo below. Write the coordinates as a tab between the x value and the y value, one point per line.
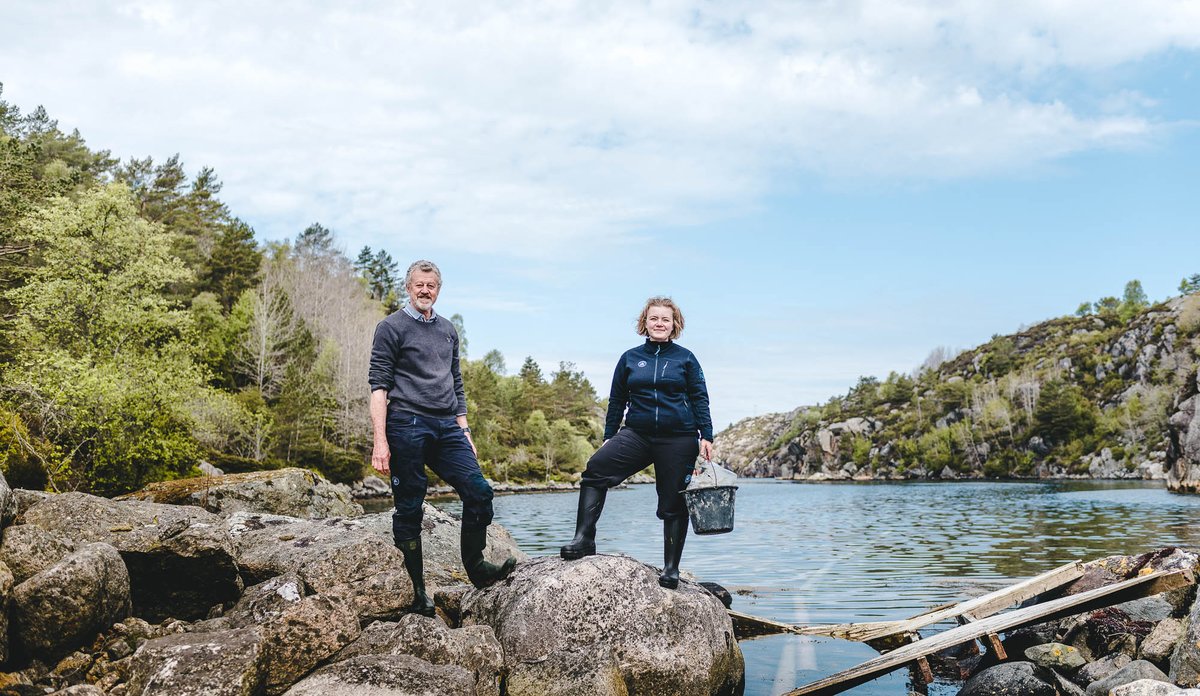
419	416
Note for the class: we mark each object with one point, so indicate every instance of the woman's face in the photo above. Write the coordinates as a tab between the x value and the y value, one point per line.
660	322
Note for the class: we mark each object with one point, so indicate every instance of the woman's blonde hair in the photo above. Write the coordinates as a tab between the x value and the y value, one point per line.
677	315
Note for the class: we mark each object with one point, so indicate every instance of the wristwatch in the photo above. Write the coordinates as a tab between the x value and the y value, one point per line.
466	430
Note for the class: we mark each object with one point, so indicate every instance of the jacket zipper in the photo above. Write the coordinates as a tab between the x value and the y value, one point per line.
656	352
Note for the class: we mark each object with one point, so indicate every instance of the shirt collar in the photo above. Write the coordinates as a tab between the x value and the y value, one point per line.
412	312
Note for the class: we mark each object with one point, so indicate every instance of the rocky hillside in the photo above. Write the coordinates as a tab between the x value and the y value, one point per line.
1080	396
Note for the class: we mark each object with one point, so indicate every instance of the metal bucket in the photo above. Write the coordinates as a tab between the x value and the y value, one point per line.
711	509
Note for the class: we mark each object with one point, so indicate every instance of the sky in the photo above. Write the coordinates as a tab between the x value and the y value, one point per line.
828	189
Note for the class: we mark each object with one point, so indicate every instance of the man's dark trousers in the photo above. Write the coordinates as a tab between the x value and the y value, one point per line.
416	441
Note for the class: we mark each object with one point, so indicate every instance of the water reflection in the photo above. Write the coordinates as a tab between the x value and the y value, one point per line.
831	553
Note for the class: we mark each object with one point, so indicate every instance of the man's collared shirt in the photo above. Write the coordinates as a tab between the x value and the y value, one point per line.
412	312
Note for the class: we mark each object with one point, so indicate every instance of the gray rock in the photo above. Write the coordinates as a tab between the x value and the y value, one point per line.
80	690
1055	655
1185	661
1101	669
1011	679
24	499
221	663
67	604
28	550
298	631
1153	608
665	641
589	669
180	558
473	648
291	491
1158	646
334	557
386	675
1138	669
6	587
1183	440
1151	687
8	508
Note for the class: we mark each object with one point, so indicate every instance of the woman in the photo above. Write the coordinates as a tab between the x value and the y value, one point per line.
667	424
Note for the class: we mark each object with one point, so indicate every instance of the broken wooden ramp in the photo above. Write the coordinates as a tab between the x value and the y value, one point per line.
1143	586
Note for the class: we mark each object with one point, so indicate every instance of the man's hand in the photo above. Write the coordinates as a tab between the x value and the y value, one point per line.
462	423
706	450
381	456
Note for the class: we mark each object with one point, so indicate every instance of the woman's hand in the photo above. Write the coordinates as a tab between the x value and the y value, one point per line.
706	450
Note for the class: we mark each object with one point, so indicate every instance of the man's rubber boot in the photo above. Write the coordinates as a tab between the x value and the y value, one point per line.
414	563
591	504
674	534
481	573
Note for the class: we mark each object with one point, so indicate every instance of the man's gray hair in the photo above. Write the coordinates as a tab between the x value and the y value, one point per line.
423	265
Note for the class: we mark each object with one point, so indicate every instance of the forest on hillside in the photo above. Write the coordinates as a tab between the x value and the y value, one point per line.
144	330
1087	394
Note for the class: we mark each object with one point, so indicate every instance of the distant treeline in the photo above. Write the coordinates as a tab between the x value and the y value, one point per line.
143	330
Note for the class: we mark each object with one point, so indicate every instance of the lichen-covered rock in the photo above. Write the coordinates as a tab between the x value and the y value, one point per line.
386	675
291	491
665	641
220	663
8	508
299	630
440	543
589	669
334	557
1134	671
180	558
80	690
67	604
1011	679
474	648
1101	668
1185	660
28	550
1055	655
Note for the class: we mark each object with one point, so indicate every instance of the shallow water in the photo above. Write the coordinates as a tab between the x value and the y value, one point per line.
840	552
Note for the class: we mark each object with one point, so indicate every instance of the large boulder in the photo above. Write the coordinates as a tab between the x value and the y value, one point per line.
473	648
1011	679
584	669
292	492
1152	687
67	604
386	675
1183	443
1134	671
440	543
665	641
220	663
28	550
298	631
338	556
180	559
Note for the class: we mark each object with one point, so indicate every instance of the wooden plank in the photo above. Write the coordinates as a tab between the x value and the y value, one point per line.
996	646
1144	586
747	626
924	671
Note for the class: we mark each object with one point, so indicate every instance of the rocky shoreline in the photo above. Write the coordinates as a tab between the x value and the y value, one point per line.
276	583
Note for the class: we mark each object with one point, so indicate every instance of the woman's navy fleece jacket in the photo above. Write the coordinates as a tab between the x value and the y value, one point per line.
663	386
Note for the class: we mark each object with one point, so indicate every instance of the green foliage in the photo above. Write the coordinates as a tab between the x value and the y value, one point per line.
382	275
1063	412
1190	284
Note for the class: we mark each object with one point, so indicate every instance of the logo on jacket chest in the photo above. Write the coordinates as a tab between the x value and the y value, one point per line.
641	363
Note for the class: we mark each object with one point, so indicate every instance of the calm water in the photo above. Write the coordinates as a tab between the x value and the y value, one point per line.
833	553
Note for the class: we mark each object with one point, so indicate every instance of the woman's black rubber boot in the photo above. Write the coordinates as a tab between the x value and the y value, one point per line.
481	573
414	563
591	504
674	534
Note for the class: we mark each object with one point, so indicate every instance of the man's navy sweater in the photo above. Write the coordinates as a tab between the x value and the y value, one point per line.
417	363
663	386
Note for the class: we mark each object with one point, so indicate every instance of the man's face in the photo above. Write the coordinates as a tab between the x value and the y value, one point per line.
423	289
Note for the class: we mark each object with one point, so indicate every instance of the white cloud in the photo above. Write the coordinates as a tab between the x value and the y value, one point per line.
544	129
